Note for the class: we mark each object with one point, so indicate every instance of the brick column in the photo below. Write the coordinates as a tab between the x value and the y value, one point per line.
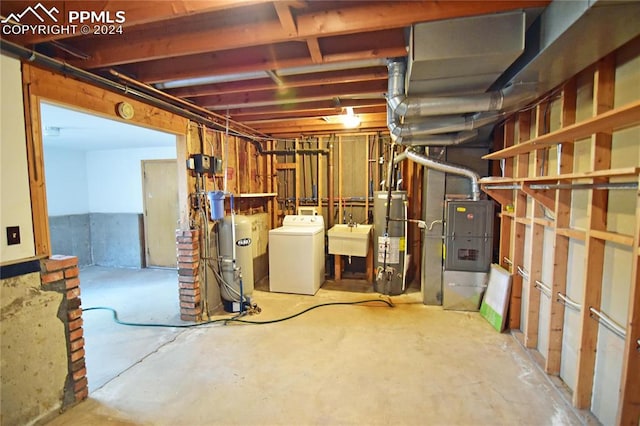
60	273
188	248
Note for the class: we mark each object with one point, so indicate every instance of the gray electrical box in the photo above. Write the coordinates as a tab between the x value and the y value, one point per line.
469	236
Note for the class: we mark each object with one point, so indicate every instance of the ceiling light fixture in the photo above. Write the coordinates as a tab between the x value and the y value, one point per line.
349	119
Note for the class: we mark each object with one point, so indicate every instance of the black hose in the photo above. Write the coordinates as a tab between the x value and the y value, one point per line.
230	320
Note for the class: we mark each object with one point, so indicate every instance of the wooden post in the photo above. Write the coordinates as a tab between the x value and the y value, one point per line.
594	247
37	185
340	207
629	405
561	252
537	240
517	246
296	147
507	222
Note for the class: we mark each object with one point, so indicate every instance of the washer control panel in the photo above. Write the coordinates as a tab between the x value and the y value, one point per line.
302	220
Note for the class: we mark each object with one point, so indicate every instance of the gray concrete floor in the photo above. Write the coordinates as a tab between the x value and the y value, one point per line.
359	365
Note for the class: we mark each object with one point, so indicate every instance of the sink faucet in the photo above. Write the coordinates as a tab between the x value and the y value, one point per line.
351	223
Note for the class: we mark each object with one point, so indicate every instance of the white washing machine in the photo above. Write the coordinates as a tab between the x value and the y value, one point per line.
296	255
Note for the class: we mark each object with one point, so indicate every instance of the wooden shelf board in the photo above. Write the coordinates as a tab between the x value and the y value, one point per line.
616	119
523	220
543	222
257	195
614	237
576	234
286	166
626	171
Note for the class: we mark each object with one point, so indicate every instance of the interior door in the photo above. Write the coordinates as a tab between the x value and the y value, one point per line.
161	213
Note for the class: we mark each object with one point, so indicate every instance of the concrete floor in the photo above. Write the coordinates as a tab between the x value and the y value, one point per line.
411	364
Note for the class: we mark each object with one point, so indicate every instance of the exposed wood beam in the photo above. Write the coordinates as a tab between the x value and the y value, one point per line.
300	80
302	107
292	115
282	56
314	50
286	18
136	12
370	16
291	95
378	117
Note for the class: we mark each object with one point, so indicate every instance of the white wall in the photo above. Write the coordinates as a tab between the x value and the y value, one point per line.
115	178
15	201
66	174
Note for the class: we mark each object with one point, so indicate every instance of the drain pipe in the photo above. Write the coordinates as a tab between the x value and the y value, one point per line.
430	163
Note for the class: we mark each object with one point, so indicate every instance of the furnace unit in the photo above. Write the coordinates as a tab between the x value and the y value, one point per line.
469	236
468	253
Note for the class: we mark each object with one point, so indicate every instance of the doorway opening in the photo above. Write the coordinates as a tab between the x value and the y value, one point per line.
106	206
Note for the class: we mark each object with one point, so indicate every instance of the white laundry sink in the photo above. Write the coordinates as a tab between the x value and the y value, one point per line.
349	240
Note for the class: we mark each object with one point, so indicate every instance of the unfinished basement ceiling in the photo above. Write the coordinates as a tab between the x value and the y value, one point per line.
283	67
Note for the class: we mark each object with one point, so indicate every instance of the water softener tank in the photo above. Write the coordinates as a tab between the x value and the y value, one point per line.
390	247
238	275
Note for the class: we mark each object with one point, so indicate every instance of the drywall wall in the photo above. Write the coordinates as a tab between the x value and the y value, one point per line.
66	177
546	277
615	297
572	318
15	205
115	178
34	350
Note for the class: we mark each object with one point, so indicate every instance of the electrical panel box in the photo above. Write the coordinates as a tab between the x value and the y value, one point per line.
204	164
469	236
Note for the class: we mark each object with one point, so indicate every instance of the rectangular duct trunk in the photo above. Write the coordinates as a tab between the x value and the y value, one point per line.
465	54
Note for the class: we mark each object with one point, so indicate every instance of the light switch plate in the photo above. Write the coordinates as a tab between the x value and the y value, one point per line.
13	235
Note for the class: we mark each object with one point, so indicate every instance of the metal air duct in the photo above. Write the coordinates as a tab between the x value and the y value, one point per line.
430	163
403	106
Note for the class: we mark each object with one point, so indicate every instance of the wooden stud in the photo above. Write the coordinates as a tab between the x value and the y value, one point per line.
340	206
520	207
296	147
629	405
540	158
37	185
561	253
506	223
236	175
594	248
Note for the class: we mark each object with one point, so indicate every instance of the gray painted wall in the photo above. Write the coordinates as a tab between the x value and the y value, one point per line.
104	239
117	240
71	234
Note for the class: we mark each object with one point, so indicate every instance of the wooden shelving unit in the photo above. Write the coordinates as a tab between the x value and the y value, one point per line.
607	122
526	183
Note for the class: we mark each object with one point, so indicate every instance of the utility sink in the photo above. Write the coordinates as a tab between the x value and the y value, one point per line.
349	240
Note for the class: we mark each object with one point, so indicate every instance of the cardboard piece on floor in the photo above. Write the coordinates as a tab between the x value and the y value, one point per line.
496	299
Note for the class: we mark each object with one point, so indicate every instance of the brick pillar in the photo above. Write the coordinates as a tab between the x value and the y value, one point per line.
188	247
60	273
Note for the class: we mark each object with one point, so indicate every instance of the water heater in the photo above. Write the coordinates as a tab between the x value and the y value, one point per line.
390	242
236	255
